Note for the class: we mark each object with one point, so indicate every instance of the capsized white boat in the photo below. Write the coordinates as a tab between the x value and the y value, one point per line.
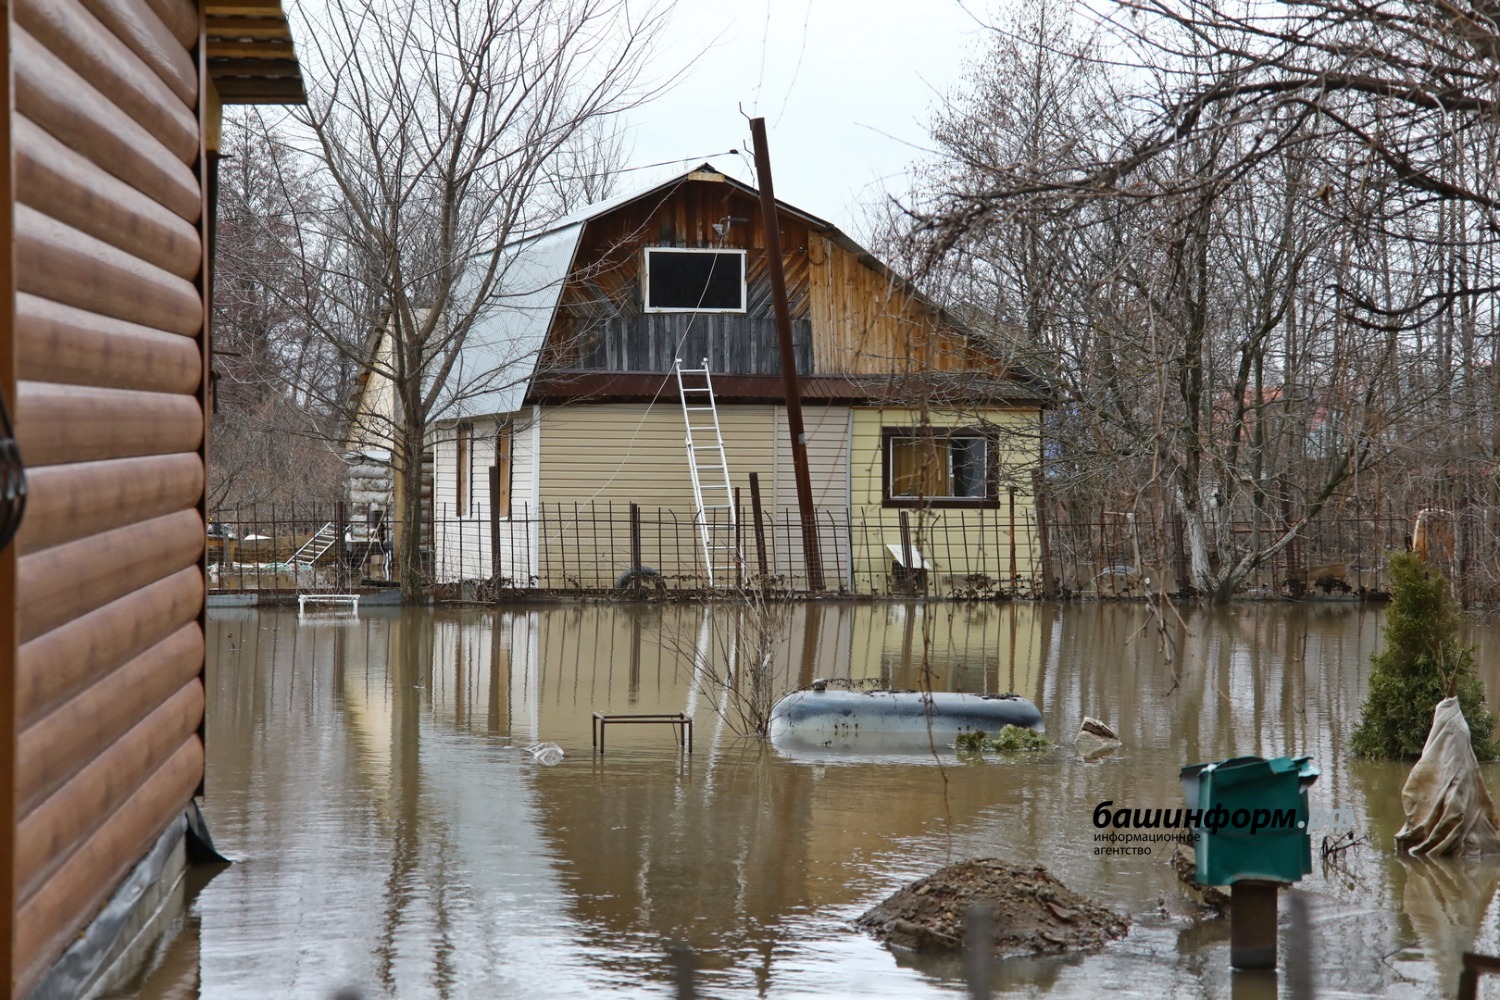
891	720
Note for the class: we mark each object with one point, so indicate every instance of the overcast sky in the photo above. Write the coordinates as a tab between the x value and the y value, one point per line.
845	86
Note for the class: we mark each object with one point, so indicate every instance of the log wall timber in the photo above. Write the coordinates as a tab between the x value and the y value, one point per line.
58	343
108	313
136	24
64	661
45	925
90	498
54	829
9	664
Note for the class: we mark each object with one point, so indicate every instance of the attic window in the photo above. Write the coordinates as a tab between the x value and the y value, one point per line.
694	280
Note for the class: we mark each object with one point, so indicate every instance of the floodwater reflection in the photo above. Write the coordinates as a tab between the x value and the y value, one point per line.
391	835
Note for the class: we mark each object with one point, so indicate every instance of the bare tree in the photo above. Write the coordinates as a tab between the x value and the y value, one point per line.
1247	243
437	126
270	432
734	657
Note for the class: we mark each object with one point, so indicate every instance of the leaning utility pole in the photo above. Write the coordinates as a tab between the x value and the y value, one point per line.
812	555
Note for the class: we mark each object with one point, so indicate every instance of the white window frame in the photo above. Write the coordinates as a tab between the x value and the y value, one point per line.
646	305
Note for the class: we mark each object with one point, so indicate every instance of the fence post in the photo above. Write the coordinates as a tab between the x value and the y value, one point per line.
760	529
635	540
1014	576
494	522
908	584
739	545
1038	486
340	550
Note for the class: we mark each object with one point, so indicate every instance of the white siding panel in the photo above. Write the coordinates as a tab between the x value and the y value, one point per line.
463	544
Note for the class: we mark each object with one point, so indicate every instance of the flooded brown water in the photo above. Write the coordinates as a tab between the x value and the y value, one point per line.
390	835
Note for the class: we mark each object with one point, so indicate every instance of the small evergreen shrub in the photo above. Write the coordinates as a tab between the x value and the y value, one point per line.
1422	663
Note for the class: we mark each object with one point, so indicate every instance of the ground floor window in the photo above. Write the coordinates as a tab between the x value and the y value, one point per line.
939	466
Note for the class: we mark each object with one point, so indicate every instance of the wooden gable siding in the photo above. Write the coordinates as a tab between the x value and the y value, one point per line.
866	322
650	342
108	314
600	324
848	316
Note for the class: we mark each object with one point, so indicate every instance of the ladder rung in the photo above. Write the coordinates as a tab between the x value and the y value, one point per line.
699	409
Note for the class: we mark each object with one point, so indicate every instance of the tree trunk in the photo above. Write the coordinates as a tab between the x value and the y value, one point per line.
409	551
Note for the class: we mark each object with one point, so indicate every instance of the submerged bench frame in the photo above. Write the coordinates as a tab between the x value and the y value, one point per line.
350	599
681	720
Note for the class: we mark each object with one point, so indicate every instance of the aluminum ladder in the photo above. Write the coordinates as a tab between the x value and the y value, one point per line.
713	496
312	550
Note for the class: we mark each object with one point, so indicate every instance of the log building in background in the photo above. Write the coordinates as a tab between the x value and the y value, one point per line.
110	143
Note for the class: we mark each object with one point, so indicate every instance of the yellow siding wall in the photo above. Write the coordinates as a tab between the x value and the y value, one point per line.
596	459
827	431
967	548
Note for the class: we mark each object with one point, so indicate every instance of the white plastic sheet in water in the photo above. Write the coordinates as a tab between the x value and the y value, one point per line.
1448	809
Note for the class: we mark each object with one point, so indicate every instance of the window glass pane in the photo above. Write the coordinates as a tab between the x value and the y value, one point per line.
919	468
970	467
681	280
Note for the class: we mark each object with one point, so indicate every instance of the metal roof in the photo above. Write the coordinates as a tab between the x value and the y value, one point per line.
251	58
500	352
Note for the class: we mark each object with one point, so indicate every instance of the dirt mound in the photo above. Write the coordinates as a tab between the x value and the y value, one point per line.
1034	913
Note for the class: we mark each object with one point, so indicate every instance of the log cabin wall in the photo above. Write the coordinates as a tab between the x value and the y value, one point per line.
106	148
849	315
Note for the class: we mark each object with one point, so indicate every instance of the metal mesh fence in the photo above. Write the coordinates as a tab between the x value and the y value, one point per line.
963	553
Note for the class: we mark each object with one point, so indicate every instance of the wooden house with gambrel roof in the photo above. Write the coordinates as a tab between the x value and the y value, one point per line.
904	410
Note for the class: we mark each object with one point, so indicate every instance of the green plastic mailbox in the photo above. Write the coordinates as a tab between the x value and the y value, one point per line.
1252	818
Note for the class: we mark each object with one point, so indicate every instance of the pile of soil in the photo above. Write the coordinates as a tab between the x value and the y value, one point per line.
1033	913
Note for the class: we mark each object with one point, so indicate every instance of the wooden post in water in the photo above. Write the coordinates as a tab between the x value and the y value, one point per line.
812	555
1252	924
635	540
494	522
1038	485
760	529
1014	576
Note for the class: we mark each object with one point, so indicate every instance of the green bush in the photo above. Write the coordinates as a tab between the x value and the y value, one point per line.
1421	664
1008	739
